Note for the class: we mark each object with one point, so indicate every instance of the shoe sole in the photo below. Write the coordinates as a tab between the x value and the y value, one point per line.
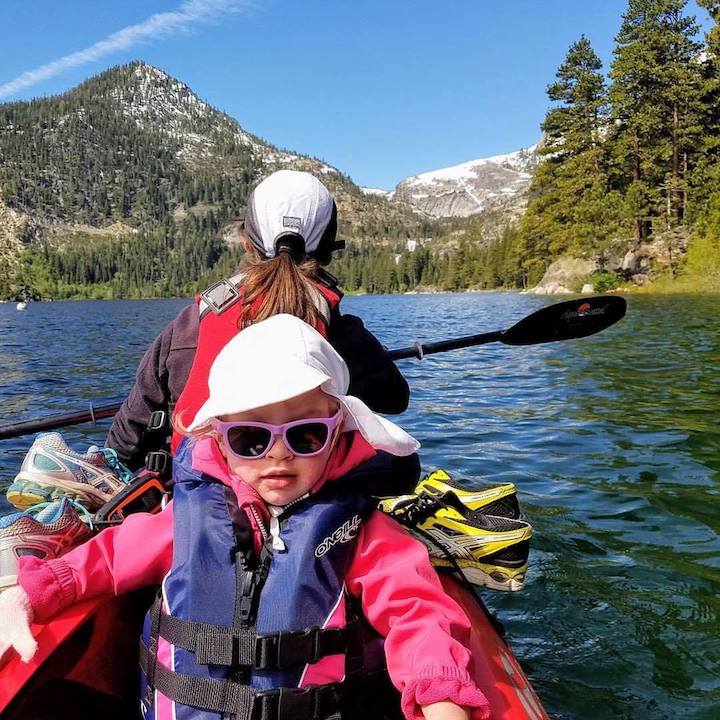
475	576
495	581
25	496
7	581
25	488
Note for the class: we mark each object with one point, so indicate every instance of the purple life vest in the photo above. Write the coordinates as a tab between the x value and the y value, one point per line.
234	624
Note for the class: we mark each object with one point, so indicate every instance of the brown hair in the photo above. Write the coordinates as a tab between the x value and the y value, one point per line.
284	285
179	426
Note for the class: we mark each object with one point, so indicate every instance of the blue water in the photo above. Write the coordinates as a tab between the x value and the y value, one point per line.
612	441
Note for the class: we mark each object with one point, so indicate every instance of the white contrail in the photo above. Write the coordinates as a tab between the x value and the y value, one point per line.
156	26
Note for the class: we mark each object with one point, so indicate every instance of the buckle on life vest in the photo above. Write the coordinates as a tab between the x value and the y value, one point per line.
220	296
285	704
157	422
285	650
158	462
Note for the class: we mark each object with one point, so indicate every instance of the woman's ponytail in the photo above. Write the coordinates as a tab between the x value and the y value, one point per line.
280	285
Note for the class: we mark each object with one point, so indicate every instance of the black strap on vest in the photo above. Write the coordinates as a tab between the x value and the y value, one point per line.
151	665
219	645
320	702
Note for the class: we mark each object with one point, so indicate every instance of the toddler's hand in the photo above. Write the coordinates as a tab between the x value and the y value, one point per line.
16	614
445	711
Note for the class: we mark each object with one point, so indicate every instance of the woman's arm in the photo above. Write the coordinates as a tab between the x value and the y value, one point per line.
426	633
374	377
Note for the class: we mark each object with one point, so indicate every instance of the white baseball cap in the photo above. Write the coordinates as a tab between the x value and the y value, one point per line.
283	357
292	210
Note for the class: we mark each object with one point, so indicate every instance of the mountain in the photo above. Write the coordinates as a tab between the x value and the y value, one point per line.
474	187
132	179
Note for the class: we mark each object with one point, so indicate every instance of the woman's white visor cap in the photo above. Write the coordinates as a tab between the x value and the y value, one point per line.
283	357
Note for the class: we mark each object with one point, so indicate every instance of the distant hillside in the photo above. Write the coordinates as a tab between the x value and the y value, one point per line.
131	180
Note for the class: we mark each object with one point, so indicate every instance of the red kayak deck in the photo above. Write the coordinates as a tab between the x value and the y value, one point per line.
94	646
496	670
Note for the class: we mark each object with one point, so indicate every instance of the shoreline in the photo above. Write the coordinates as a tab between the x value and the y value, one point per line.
663	286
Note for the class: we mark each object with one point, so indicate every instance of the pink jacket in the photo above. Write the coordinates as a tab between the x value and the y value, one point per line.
426	633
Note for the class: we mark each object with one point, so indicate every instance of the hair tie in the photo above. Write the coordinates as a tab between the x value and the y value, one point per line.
293	245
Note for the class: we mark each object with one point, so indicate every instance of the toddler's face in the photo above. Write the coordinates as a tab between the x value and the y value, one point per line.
280	476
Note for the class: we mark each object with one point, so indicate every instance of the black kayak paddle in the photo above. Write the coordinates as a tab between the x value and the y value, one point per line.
561	321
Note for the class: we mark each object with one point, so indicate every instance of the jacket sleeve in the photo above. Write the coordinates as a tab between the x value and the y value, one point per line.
116	561
374	377
426	633
160	377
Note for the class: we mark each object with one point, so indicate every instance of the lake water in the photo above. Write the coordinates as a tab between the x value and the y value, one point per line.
612	442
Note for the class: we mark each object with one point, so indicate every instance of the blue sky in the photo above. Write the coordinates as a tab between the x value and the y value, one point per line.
381	89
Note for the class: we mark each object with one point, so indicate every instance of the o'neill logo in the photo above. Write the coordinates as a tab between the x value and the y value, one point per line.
345	533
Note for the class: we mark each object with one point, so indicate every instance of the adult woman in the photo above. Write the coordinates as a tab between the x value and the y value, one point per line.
290	232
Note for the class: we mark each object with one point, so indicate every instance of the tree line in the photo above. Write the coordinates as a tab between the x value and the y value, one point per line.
628	155
637	155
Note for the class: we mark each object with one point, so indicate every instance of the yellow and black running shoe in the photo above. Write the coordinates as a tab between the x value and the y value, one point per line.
499	500
488	550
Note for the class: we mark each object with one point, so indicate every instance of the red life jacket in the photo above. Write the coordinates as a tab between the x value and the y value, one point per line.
221	312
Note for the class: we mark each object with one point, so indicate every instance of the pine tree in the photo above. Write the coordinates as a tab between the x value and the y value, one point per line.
705	179
655	99
570	209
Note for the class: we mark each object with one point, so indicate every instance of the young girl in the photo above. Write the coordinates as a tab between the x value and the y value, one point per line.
289	232
272	559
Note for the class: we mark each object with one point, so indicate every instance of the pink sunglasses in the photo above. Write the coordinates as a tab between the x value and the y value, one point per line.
253	440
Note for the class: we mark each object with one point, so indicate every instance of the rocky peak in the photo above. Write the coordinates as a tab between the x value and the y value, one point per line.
497	182
149	96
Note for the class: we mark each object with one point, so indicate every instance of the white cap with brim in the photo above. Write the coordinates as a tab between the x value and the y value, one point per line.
283	357
291	203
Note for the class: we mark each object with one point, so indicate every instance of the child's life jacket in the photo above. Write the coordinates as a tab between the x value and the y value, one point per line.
255	637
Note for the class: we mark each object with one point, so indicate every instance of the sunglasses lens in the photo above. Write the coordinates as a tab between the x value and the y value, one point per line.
307	438
248	441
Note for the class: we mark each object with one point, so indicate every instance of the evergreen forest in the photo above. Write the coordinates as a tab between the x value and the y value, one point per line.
114	208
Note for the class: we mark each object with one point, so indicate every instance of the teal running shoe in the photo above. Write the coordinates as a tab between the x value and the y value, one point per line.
44	531
52	470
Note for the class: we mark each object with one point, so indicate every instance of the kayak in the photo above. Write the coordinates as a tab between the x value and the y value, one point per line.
87	663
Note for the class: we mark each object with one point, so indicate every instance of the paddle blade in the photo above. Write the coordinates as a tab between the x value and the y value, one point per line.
567	320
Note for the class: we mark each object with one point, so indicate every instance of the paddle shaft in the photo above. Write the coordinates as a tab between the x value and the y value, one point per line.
60	420
420	350
53	422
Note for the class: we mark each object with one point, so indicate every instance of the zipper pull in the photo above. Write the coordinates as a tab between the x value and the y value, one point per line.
277	541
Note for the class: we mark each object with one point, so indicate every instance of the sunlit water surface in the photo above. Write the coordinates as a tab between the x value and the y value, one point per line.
612	441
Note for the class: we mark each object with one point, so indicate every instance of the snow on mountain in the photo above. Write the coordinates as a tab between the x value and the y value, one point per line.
472	187
201	135
375	191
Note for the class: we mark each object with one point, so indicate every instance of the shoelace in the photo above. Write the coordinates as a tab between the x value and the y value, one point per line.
85	515
111	458
418	509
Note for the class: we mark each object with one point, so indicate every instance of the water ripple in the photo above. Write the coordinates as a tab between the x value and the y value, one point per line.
611	440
